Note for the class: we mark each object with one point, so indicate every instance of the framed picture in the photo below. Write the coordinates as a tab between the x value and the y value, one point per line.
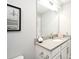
13	18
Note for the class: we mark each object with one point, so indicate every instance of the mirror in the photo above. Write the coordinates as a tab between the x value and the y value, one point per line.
47	18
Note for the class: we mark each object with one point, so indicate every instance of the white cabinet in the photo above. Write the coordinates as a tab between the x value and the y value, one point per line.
60	52
57	56
64	53
66	50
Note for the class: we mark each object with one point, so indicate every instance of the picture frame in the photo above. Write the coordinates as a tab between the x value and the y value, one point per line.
13	18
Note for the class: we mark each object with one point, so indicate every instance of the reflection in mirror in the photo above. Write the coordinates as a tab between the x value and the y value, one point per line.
47	18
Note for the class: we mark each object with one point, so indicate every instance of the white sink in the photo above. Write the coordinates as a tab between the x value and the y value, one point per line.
57	39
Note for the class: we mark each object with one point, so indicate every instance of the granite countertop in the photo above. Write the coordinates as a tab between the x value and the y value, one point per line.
51	44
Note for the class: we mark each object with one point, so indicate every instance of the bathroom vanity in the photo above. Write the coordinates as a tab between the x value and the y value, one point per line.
53	49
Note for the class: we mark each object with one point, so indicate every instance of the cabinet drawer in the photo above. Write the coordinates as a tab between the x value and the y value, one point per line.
64	45
42	53
55	51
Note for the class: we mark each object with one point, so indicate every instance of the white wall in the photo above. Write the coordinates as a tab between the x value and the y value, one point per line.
22	42
49	23
65	19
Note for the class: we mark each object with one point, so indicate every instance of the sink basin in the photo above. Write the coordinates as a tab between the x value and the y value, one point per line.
57	40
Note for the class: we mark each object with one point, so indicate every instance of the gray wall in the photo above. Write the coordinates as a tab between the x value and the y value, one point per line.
22	42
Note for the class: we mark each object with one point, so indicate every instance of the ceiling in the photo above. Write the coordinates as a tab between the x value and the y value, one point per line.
65	1
41	9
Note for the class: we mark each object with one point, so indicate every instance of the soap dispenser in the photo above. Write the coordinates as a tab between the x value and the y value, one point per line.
40	39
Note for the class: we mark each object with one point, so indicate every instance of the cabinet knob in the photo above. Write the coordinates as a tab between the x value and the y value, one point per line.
42	54
47	57
67	50
60	56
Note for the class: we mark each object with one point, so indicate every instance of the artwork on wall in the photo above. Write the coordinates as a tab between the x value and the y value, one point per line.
13	18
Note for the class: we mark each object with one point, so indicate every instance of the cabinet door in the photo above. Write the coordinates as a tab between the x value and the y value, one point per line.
57	56
42	53
64	53
69	49
68	53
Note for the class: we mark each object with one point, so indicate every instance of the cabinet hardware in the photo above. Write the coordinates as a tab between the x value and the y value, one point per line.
60	56
67	50
42	54
47	57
